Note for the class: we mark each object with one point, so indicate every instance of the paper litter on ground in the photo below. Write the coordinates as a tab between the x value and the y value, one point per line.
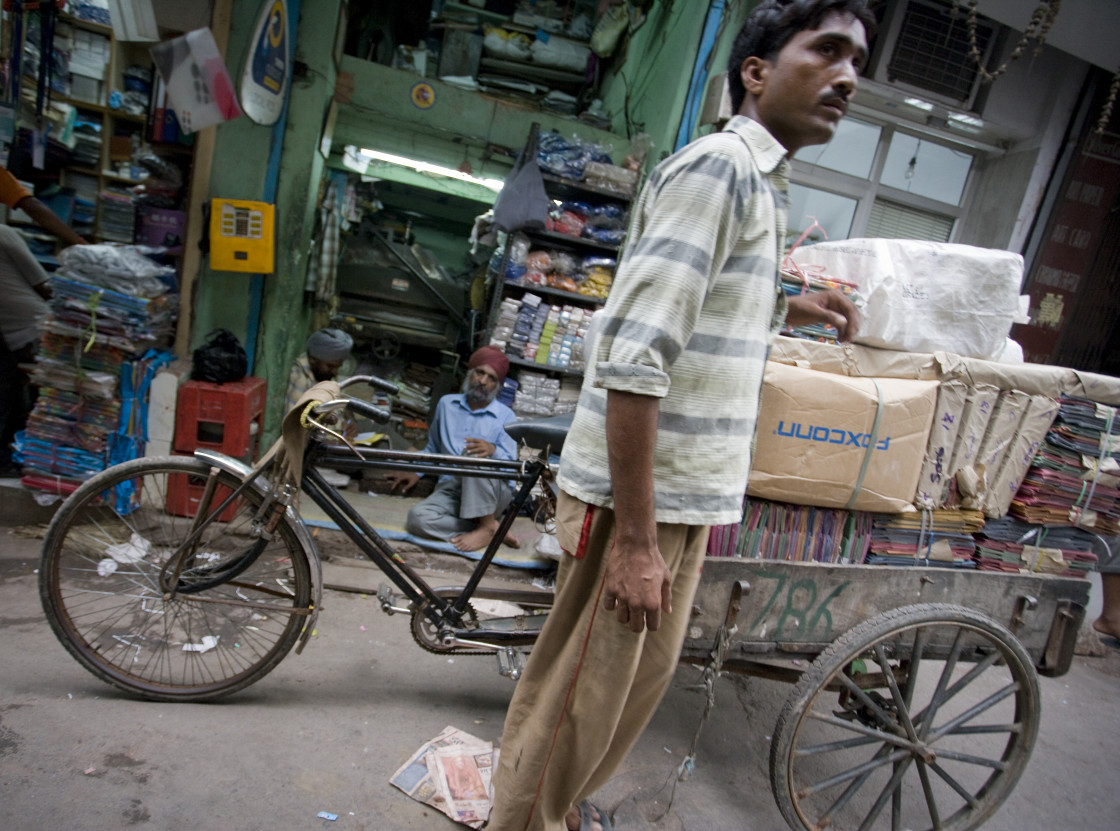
452	773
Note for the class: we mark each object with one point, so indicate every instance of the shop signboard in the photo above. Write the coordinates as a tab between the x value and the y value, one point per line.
264	82
1072	241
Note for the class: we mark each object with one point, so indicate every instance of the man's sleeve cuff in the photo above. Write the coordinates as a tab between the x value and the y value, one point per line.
642	380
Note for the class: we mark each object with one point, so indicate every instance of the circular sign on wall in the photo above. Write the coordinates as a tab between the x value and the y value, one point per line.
423	95
268	67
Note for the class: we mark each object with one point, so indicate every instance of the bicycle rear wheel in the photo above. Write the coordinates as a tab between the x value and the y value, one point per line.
239	605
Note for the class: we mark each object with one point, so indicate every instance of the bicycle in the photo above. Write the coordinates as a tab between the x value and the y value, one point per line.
188	578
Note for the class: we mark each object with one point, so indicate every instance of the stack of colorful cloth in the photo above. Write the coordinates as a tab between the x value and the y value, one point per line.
112	318
798	533
1011	545
925	538
1075	476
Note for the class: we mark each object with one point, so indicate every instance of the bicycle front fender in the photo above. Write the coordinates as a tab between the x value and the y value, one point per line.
241	470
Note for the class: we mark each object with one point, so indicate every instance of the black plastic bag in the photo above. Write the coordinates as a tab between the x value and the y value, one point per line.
221	359
523	202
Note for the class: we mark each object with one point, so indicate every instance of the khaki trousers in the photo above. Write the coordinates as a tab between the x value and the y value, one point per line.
591	685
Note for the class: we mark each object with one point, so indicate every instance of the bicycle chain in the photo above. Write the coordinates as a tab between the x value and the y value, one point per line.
418	621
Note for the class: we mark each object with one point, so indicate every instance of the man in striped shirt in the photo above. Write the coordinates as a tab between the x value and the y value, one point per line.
659	449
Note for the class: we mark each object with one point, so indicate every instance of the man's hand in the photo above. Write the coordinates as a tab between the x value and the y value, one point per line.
405	480
480	448
637	587
832	307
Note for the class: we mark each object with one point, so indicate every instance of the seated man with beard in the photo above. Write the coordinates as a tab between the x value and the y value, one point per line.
466	510
327	350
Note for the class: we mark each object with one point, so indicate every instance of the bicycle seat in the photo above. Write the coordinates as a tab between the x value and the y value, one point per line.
541	433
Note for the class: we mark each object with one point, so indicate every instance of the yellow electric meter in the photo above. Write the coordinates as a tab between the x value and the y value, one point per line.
241	236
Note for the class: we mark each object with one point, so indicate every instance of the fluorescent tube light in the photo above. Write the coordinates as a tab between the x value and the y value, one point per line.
436	170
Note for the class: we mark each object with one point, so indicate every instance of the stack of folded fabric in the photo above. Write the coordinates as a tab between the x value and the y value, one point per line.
1073	479
800	533
568	396
926	538
112	316
1011	545
127	320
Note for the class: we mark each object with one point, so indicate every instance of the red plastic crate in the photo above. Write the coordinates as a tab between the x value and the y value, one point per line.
183	496
221	417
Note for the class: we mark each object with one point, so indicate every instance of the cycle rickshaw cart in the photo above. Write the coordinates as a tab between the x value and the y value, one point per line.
915	701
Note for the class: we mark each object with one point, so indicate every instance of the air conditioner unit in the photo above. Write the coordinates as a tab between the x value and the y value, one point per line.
925	51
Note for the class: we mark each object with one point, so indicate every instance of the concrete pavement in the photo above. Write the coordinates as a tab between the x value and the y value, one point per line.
326	730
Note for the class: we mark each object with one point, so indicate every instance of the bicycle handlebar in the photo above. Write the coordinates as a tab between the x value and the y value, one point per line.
354	405
364	408
373	381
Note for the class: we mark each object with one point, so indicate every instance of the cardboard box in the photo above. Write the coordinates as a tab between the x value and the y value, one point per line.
120	147
838	442
1033	379
933	483
855	360
974	426
1010	408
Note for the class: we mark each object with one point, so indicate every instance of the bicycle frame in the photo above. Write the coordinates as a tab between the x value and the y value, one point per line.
445	614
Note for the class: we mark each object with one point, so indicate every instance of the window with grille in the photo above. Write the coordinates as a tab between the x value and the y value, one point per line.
932	52
890	220
899	187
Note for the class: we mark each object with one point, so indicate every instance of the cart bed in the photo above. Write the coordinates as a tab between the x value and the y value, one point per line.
794	610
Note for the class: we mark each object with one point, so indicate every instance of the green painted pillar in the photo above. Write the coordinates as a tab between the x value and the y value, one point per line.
240	169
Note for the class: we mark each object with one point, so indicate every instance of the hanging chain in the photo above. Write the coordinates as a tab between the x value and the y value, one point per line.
1037	30
1106	110
1042	20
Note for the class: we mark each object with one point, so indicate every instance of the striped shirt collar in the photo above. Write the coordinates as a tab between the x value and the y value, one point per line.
767	152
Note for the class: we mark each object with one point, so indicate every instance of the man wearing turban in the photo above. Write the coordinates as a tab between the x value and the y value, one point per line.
326	351
466	510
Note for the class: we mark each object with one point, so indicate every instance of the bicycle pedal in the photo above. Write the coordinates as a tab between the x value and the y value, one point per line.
388	601
511	663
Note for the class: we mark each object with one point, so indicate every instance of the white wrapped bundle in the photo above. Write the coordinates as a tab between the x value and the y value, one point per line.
926	296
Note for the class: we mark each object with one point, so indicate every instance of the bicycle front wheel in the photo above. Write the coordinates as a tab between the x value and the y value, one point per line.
238	606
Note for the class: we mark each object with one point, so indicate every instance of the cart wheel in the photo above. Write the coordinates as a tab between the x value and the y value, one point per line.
921	718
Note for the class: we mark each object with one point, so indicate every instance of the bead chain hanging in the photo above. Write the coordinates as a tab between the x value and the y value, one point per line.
1037	29
1106	110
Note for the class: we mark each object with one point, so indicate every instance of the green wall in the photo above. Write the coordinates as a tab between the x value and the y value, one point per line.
458	126
380	113
240	168
647	92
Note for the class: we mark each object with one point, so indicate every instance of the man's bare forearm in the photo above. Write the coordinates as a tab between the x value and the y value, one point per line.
631	436
49	221
636	586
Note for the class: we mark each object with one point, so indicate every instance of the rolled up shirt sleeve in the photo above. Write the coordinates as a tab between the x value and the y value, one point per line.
685	228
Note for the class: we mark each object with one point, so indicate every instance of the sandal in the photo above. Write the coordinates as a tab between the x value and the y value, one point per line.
587	813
